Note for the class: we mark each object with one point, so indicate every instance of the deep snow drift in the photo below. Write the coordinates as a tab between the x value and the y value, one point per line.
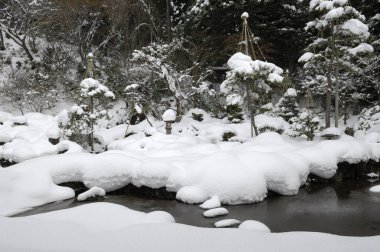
109	227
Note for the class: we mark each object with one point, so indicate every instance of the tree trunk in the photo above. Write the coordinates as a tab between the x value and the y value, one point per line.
91	137
2	45
328	100
336	96
178	112
26	49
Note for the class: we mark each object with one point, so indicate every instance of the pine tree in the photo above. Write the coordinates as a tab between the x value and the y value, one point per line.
306	123
249	76
287	107
341	34
92	106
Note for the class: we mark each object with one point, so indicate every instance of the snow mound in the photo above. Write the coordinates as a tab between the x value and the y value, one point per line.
226	223
375	189
331	131
31	138
91	193
253	225
215	212
214	202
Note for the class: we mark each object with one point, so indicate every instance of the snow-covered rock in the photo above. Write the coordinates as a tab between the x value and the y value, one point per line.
91	193
214	202
226	223
375	189
215	212
253	225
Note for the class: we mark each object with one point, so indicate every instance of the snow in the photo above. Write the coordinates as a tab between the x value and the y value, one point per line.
253	225
245	15
362	48
214	202
335	13
92	192
357	27
109	227
306	57
215	212
91	87
31	139
194	167
272	122
375	189
241	63
169	115
372	175
226	223
291	92
331	131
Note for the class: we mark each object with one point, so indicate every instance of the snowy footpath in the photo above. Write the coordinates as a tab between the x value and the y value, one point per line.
109	227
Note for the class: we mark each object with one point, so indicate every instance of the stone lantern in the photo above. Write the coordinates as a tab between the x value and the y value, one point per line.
169	117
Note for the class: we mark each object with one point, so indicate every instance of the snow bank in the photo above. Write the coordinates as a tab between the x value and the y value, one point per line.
192	166
109	227
31	139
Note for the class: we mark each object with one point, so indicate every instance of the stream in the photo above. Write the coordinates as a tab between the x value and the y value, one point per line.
343	208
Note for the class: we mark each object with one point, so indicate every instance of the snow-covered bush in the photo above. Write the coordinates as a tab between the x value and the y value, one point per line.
30	91
268	122
164	71
234	113
287	107
92	106
369	120
306	123
247	76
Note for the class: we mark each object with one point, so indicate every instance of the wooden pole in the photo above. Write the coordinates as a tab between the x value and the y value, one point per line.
168	22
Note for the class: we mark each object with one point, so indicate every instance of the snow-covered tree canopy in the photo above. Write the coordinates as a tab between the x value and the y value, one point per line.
244	69
169	70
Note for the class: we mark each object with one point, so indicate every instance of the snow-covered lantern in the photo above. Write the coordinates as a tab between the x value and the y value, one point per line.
169	117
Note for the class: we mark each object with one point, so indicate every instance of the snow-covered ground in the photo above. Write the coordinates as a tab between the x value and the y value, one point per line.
108	227
196	165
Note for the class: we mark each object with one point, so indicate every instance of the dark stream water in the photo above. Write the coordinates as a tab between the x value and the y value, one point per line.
345	208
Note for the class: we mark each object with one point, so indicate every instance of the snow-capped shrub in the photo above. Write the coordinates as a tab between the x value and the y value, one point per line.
228	135
287	107
306	123
92	106
268	122
234	113
369	120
